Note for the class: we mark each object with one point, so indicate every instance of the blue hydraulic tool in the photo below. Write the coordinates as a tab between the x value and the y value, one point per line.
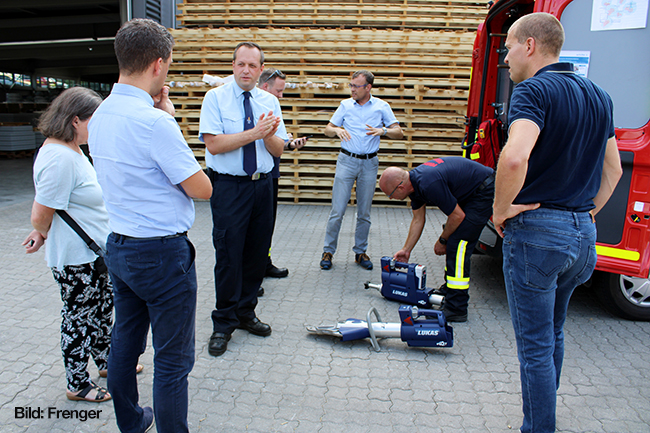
405	282
418	327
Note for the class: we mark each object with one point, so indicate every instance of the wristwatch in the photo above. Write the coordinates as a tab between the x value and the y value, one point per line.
385	130
442	240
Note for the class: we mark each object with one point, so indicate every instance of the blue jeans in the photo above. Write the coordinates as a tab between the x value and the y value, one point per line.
349	169
154	283
546	254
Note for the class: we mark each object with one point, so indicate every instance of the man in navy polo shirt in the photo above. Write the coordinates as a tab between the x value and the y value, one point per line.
557	170
462	189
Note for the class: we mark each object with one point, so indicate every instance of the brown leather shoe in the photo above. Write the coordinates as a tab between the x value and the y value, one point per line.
326	261
363	260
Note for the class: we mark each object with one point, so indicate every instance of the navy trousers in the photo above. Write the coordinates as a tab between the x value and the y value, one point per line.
276	192
242	217
154	283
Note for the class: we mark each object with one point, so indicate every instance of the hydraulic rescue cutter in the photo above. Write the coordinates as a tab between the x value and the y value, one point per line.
418	327
406	283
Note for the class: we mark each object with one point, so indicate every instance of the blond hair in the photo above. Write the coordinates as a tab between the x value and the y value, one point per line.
544	28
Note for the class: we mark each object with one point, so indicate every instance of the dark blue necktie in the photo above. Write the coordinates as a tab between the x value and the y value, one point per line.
250	157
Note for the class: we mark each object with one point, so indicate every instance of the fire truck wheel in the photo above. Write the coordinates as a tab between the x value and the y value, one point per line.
623	296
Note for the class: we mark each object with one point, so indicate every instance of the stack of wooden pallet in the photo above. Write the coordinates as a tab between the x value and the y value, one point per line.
462	15
423	74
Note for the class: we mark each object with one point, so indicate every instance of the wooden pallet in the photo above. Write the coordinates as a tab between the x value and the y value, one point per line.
451	15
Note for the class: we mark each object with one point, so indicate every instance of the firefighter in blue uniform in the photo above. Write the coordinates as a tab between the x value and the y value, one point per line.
463	190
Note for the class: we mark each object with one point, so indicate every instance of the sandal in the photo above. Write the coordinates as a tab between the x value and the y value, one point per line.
100	395
138	370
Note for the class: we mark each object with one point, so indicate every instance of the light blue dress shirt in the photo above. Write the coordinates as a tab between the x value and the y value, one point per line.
141	157
222	112
354	117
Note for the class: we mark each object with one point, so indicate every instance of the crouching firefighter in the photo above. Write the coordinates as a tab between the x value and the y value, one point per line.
464	191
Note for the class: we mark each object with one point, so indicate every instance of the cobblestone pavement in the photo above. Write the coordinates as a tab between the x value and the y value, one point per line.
295	382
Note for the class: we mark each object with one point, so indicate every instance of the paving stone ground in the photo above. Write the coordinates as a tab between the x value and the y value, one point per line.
295	382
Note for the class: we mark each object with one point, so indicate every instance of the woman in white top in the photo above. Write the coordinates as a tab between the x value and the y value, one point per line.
65	179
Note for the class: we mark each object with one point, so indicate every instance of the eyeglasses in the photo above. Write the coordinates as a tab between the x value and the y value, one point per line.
354	86
275	73
278	73
391	194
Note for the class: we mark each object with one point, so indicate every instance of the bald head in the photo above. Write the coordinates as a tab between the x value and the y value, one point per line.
395	183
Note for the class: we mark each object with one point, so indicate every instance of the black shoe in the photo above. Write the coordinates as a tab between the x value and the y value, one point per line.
218	343
260	292
326	261
149	419
363	260
255	326
442	290
275	272
452	317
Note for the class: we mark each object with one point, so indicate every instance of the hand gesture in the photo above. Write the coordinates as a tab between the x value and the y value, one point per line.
343	134
267	125
162	101
374	131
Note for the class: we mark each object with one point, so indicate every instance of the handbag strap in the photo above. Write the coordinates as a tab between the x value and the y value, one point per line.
87	239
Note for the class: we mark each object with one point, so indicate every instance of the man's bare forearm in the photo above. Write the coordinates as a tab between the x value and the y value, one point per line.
612	172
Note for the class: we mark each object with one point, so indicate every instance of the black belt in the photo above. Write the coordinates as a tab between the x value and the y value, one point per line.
487	182
155	238
356	155
213	175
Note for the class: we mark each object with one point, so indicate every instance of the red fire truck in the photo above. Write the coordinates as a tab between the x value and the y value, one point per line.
607	42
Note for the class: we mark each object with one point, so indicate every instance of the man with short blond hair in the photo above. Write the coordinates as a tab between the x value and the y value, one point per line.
557	170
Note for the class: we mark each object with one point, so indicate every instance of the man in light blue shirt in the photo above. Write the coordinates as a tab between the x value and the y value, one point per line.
148	176
241	126
359	122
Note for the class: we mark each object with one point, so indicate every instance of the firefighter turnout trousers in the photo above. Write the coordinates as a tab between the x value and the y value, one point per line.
461	244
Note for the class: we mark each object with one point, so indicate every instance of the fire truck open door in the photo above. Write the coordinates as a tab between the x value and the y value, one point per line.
619	62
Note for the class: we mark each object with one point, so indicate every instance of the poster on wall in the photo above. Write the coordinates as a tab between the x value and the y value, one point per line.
619	14
580	60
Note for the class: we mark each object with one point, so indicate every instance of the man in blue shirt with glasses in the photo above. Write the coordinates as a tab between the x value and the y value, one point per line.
359	122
